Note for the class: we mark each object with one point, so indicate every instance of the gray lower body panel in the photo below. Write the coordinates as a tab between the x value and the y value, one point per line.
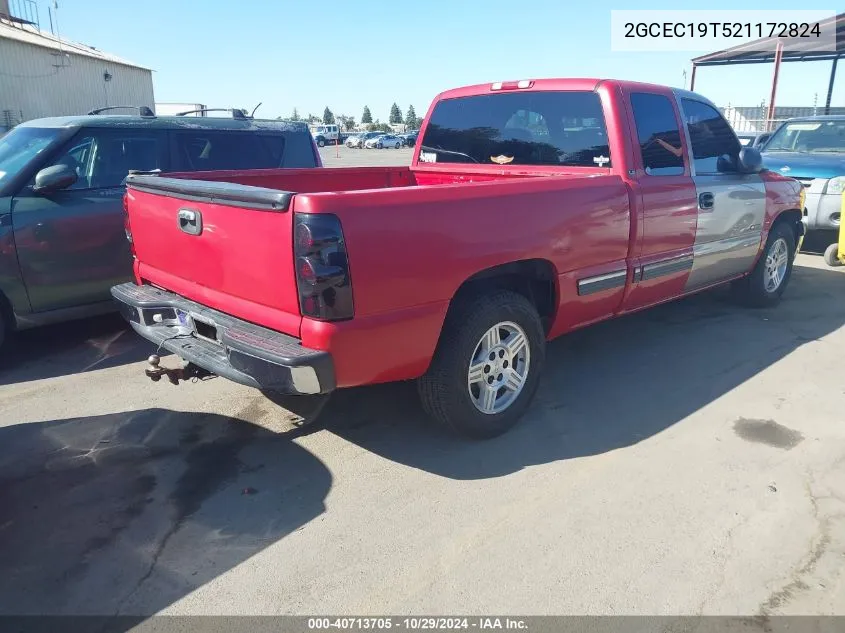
723	259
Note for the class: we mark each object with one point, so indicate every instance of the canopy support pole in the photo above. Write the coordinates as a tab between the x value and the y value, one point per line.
778	58
830	86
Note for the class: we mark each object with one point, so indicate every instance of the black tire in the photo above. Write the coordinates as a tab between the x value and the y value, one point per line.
398	145
751	290
444	391
321	142
831	255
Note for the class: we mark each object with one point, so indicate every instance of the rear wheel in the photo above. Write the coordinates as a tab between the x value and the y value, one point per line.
766	283
487	365
831	255
398	144
380	146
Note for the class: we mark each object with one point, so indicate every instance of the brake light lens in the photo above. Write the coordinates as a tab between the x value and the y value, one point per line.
512	85
322	267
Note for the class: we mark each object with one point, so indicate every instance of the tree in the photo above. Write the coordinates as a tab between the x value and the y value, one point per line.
328	117
348	122
411	118
395	114
295	115
366	117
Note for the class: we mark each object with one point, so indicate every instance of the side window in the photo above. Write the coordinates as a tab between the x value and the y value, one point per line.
203	150
711	137
658	134
299	151
102	158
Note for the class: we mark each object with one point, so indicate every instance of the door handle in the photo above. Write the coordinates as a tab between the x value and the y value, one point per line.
190	221
705	200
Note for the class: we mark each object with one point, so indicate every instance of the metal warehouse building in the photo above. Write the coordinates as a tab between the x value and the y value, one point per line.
43	75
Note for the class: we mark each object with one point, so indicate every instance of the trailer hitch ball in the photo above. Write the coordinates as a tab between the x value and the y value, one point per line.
154	372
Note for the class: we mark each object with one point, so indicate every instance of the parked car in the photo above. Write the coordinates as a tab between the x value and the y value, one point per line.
353	140
360	139
62	242
812	149
457	269
384	140
409	138
326	134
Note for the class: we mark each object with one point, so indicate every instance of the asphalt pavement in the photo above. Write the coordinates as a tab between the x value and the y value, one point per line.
685	460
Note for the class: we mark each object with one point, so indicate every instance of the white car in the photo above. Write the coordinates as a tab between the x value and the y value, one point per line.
385	140
358	140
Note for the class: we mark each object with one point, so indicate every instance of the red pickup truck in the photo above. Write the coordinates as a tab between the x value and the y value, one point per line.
531	208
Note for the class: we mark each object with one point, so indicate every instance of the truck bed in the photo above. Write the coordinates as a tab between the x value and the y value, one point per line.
409	234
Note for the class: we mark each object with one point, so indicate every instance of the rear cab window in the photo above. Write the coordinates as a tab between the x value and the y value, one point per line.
560	128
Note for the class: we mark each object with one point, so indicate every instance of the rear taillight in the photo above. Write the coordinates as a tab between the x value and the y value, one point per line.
126	227
322	267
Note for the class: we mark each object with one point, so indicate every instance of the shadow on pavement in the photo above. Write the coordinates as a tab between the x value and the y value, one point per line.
607	386
129	512
71	348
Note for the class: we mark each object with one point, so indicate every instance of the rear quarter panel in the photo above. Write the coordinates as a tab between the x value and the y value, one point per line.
411	249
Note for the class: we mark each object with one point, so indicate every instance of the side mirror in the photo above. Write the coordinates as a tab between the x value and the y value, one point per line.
750	160
760	140
54	178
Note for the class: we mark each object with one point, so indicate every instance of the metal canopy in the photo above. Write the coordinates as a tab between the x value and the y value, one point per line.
770	49
764	50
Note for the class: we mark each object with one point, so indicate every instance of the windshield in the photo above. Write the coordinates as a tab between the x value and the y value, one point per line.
808	136
20	146
519	128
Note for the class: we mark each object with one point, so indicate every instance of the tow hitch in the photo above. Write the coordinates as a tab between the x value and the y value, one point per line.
154	372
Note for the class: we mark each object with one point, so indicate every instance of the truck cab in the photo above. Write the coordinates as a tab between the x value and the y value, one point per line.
325	134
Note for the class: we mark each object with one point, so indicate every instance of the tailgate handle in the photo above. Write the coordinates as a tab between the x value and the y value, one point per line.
190	221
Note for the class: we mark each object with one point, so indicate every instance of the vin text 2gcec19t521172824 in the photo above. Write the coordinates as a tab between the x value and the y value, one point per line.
531	208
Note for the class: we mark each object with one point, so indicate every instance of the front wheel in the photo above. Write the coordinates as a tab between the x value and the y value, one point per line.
398	145
831	255
487	365
380	146
321	143
766	283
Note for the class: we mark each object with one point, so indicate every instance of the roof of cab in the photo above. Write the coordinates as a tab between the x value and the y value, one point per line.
559	83
167	122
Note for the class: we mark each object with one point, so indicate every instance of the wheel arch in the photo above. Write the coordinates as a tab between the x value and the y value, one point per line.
794	218
535	279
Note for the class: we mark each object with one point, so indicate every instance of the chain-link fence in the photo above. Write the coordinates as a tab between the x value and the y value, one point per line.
755	118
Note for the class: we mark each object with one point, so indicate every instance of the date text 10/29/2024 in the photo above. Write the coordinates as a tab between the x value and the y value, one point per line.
418	623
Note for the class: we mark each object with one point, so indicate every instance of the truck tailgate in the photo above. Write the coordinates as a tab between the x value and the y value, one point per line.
225	246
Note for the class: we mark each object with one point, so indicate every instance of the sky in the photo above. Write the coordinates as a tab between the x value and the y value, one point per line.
347	54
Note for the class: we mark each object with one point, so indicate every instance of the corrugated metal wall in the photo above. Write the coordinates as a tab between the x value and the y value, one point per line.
32	86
